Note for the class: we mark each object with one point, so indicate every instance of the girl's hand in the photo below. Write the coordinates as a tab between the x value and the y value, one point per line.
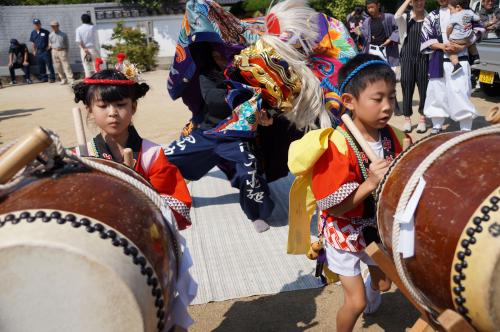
377	171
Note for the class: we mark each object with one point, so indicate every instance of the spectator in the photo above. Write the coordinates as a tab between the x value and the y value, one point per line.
414	65
354	23
40	39
85	37
490	19
381	34
19	58
447	95
460	31
59	45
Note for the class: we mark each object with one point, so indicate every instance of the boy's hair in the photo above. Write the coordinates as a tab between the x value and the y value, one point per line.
368	75
86	19
369	2
108	93
462	3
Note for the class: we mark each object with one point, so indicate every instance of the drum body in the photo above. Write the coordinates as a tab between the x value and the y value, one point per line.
456	243
81	250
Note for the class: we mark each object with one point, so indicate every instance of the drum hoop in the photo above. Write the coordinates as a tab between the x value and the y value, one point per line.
104	232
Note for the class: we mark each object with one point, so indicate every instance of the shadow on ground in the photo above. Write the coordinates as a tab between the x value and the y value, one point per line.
232	198
16	113
289	311
386	317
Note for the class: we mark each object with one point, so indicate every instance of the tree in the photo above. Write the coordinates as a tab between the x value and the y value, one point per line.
336	8
134	43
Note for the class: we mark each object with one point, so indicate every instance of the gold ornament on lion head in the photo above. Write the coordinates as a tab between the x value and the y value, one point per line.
261	66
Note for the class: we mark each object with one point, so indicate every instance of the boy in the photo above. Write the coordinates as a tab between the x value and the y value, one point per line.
460	31
343	180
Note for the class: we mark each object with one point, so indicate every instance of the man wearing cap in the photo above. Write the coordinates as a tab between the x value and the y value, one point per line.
41	50
59	46
18	58
85	37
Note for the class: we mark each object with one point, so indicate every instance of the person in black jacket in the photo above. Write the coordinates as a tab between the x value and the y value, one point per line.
19	58
197	152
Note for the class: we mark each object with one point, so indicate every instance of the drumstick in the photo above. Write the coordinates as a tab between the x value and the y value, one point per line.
359	137
128	157
494	115
406	143
80	132
19	155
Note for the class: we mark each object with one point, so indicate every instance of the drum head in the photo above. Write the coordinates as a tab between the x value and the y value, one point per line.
57	277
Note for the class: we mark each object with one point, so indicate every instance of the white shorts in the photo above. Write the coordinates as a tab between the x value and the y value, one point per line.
346	263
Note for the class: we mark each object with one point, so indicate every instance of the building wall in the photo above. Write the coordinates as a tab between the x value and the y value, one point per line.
164	29
16	22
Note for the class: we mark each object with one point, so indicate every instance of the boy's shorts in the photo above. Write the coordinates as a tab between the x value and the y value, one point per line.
346	263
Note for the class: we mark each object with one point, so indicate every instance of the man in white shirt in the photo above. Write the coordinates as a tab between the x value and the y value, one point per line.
85	37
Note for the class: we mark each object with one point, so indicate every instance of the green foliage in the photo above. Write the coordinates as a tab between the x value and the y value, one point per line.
251	6
430	5
336	8
150	4
133	42
46	2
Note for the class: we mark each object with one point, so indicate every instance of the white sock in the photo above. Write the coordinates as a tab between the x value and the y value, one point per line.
437	122
466	124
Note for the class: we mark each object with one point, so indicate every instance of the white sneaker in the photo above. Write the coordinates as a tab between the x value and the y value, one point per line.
64	82
407	127
373	297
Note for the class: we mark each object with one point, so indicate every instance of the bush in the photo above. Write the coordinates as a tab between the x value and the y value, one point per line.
134	43
336	8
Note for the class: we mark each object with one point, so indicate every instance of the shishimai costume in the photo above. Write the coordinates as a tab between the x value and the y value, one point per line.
283	65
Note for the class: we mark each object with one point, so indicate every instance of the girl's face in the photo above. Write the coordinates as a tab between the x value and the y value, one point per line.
375	104
115	117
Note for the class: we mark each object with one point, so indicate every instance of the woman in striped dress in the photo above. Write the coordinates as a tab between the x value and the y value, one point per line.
414	64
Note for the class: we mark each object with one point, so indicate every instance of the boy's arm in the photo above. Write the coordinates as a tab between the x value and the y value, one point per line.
377	171
352	201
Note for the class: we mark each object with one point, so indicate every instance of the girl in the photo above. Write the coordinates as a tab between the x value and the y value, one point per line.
414	64
110	98
342	181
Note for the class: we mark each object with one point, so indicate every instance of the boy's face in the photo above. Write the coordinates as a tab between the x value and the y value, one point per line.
113	118
373	9
375	104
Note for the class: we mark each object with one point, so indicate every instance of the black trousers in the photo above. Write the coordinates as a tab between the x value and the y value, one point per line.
414	71
15	65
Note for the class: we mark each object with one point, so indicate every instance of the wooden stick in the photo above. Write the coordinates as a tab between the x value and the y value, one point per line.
385	263
128	157
80	132
406	143
18	156
452	321
359	137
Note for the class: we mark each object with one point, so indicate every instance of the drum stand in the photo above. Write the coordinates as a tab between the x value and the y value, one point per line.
448	321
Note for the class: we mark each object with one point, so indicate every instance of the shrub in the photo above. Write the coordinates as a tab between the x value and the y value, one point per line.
134	43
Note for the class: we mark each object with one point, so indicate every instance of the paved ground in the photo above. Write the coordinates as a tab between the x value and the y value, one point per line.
160	119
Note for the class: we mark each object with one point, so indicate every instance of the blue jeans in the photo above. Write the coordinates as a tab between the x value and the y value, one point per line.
45	59
196	154
15	65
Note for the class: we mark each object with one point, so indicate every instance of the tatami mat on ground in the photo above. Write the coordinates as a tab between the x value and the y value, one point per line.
231	260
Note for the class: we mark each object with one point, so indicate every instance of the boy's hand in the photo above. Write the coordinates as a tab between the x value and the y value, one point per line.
377	171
